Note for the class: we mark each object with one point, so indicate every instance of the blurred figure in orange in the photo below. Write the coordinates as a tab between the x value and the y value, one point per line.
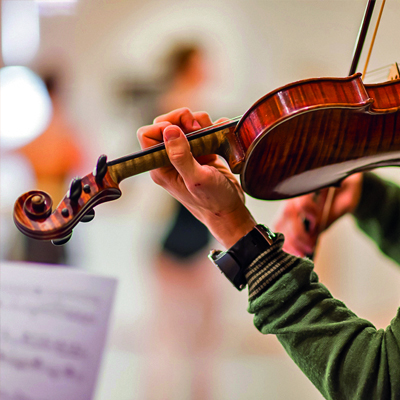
54	157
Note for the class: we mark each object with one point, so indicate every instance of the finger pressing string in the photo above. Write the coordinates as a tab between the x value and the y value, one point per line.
151	135
179	154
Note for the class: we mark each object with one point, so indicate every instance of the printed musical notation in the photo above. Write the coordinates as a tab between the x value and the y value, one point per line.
38	364
52	333
43	343
18	395
74	306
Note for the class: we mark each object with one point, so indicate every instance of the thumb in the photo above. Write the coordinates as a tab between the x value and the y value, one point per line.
178	150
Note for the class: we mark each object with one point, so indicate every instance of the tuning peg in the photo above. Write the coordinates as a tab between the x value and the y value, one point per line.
61	241
88	216
75	190
101	168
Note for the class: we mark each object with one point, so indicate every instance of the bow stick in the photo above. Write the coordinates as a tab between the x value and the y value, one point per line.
356	57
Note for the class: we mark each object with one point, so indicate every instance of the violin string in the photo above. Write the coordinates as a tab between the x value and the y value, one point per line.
161	145
215	125
373	38
376	78
372	71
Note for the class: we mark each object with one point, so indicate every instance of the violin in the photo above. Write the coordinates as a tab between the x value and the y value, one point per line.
297	139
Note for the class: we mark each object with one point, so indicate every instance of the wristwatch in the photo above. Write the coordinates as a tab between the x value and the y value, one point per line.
233	262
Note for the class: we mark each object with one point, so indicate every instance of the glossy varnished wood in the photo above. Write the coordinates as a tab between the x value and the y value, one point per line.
386	96
297	98
58	225
311	135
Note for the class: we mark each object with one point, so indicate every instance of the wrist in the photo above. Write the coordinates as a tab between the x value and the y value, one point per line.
229	228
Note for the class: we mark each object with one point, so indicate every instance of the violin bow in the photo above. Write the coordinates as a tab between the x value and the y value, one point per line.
356	58
373	38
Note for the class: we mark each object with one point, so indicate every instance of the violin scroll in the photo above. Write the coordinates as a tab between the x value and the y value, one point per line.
37	205
33	213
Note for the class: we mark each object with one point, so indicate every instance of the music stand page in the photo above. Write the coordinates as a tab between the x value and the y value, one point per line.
53	329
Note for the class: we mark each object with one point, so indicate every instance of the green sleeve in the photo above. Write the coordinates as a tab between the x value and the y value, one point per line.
344	356
378	214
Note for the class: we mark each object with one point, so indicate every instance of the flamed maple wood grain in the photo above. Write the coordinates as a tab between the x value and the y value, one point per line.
302	138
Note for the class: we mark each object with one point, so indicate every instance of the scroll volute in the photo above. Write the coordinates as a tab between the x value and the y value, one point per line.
34	217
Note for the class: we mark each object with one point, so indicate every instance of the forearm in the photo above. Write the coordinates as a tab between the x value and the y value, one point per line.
343	355
378	214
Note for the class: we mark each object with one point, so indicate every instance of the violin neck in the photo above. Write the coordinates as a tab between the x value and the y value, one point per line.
217	139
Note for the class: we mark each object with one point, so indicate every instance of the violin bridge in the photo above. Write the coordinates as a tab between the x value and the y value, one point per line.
394	72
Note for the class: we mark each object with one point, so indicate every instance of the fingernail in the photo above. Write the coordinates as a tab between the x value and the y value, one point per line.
171	133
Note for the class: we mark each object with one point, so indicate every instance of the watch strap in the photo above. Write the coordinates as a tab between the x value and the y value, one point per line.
234	261
250	246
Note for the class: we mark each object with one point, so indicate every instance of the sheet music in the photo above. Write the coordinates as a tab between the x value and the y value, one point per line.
53	329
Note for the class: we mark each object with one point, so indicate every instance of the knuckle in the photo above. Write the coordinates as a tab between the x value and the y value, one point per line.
185	111
142	131
203	116
186	116
176	116
160	118
177	157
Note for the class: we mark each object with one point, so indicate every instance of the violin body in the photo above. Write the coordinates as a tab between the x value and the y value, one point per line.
295	140
314	133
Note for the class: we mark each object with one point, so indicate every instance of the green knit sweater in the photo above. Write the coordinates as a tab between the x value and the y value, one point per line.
344	356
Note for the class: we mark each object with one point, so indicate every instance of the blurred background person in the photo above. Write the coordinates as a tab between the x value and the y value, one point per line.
186	73
185	332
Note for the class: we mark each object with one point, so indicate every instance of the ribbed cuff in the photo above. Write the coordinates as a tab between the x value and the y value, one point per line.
268	267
